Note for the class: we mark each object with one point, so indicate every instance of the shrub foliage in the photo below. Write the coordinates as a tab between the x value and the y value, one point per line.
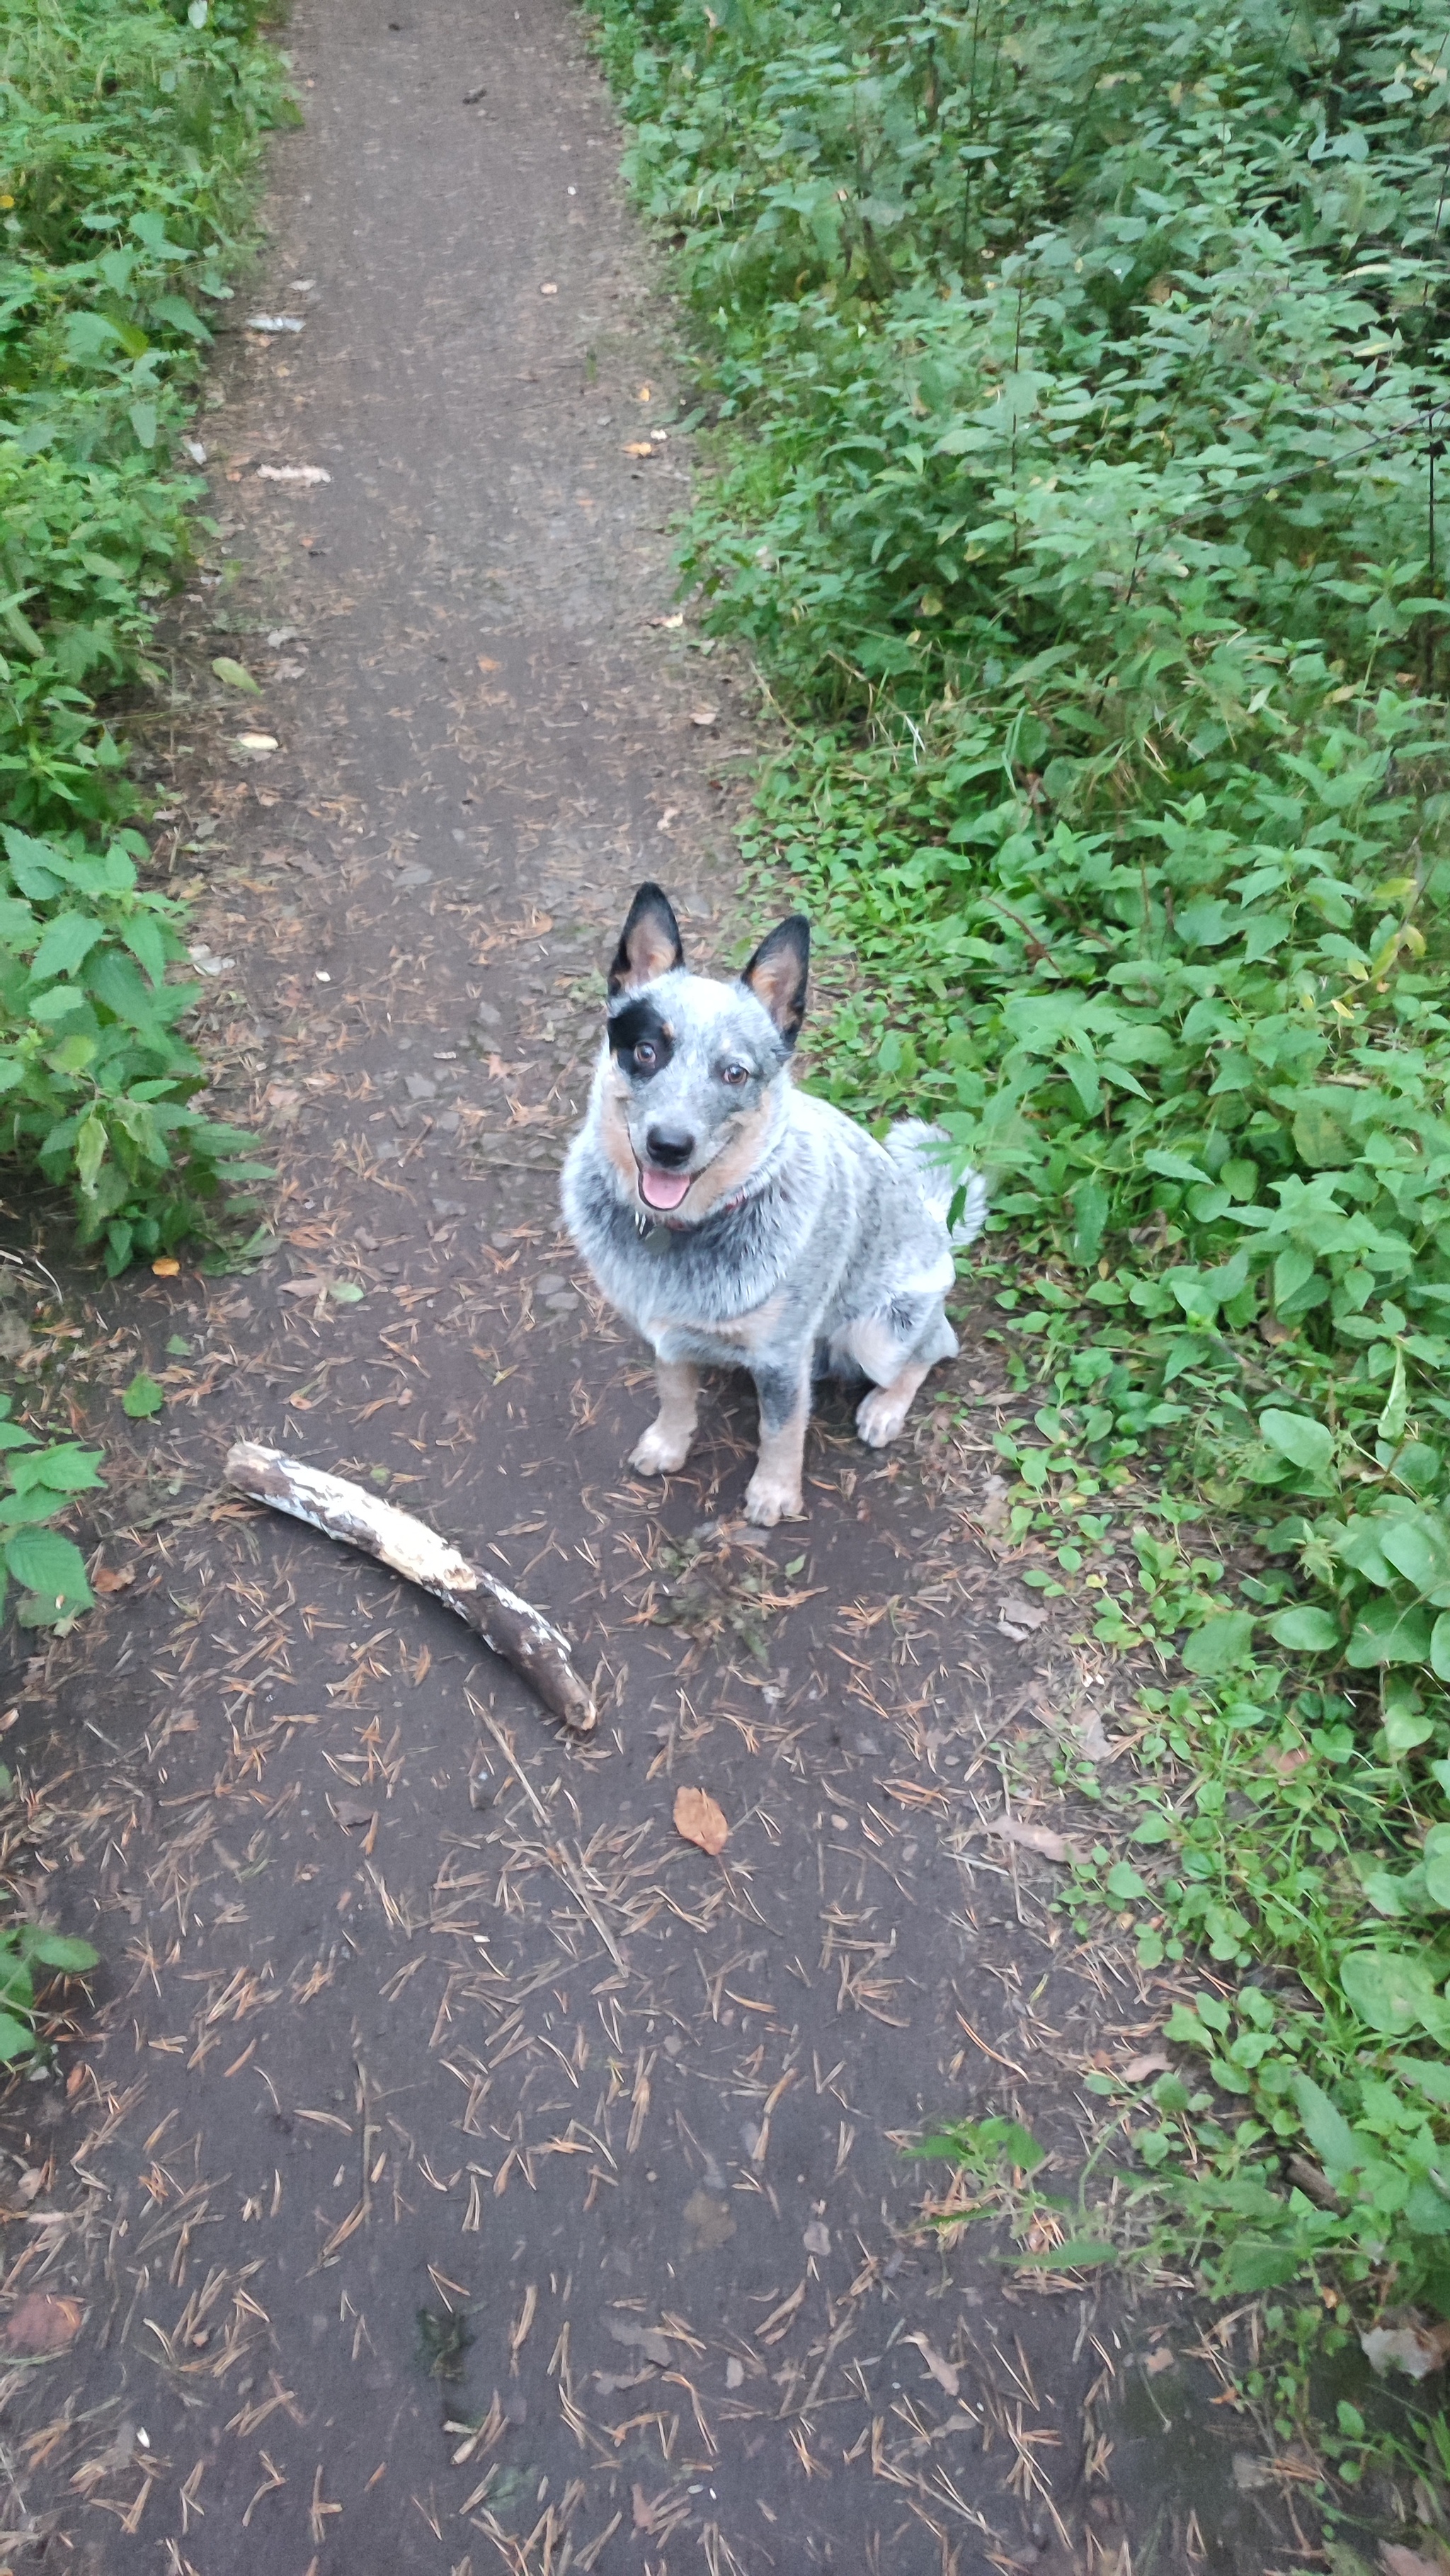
1079	404
129	133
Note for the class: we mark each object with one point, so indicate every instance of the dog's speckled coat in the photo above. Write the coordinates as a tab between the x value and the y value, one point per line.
823	1252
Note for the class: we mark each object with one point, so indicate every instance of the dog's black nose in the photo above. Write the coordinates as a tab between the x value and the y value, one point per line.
669	1146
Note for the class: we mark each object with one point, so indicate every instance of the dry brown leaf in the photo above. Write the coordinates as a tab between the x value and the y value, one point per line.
1396	2560
644	2516
944	2372
1163	2359
700	1821
779	2319
1033	1838
704	715
352	1811
40	2325
119	1581
640	447
1152	2062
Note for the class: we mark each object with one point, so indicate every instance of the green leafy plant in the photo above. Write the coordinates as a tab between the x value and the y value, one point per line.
96	1083
129	138
38	1483
24	1947
1072	395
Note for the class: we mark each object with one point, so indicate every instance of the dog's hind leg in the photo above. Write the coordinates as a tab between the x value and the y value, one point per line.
880	1415
666	1444
774	1491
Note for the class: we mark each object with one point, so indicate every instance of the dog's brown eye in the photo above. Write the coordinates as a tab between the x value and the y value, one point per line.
735	1074
645	1057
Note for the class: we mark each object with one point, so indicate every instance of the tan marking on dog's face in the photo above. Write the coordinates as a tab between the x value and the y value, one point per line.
734	1165
614	1134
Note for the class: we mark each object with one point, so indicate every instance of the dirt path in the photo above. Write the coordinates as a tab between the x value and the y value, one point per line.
412	2109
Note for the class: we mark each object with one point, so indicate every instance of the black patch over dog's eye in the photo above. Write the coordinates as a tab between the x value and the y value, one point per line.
640	1038
735	1074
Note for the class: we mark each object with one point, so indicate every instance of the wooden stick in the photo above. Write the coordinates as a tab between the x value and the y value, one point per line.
342	1510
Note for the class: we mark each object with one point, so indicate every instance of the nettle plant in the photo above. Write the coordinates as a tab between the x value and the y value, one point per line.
97	1084
36	1485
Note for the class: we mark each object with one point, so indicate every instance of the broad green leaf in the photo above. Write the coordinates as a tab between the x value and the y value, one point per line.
1326	2129
1297	1437
68	938
1090	1208
60	1950
1440	1647
50	1566
17	1986
1305	1632
1384	1634
1394	1992
236	675
39	870
1416	1548
1436	1858
1219	1645
1257	2263
1430	2073
16	2039
90	1149
1010	2143
64	1468
1407	1728
1320	1139
175	310
143	1397
1124	1885
1184	2026
143	936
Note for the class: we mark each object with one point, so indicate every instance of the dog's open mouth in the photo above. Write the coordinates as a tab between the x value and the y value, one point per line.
663	1190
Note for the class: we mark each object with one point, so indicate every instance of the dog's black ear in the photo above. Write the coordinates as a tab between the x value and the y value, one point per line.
649	943
778	972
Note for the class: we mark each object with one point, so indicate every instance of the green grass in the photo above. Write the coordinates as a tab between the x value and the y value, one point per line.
130	133
1074	395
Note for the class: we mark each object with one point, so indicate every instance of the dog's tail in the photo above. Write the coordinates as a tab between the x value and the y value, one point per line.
917	1149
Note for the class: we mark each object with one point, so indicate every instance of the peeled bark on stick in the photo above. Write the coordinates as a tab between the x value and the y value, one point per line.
342	1510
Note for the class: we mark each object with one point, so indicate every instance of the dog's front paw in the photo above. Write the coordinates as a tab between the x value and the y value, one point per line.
880	1415
660	1452
768	1500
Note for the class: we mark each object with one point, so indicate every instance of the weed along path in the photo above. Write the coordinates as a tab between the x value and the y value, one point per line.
461	2169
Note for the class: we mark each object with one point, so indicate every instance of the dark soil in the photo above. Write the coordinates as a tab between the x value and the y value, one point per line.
458	2170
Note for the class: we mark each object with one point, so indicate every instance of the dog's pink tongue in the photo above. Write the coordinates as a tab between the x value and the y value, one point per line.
664	1189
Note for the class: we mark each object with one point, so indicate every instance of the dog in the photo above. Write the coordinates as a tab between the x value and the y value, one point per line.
738	1222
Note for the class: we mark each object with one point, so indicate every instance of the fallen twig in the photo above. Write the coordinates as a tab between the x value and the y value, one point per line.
342	1510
